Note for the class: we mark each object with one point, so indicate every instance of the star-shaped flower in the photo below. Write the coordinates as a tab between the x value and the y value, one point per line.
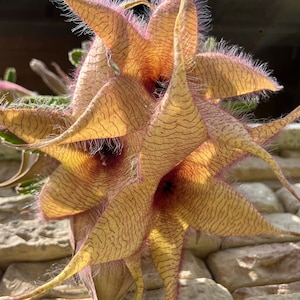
137	169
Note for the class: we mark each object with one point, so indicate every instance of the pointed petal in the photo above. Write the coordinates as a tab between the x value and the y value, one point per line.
217	208
59	197
93	74
263	133
177	127
228	130
166	241
32	166
131	4
33	125
96	277
118	233
134	264
78	262
212	157
36	125
120	107
112	280
222	76
122	227
118	34
161	45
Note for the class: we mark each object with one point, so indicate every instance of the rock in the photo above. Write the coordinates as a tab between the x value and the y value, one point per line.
191	289
9	153
255	169
33	240
8	169
289	202
284	221
261	196
202	244
256	265
7	192
289	153
66	292
295	296
23	277
193	267
266	290
289	138
202	289
15	207
148	295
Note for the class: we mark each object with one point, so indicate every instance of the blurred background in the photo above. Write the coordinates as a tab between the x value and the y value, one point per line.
268	29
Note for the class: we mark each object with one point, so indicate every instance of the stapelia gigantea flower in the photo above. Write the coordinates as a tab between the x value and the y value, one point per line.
139	169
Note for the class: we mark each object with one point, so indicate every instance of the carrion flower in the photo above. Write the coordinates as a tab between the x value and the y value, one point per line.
144	144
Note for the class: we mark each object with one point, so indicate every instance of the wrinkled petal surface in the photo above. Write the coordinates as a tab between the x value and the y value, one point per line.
219	76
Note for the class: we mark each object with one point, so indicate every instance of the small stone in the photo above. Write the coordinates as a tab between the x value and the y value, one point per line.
14	207
202	289
193	267
67	291
33	240
7	192
261	196
157	294
289	138
201	244
190	289
266	290
295	296
8	168
9	153
290	203
152	295
289	153
285	221
256	265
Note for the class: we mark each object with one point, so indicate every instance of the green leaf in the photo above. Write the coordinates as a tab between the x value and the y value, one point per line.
30	187
210	44
9	137
44	101
10	75
75	56
239	108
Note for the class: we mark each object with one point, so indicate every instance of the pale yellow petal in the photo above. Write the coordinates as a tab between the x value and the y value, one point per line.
166	240
125	42
119	108
219	76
